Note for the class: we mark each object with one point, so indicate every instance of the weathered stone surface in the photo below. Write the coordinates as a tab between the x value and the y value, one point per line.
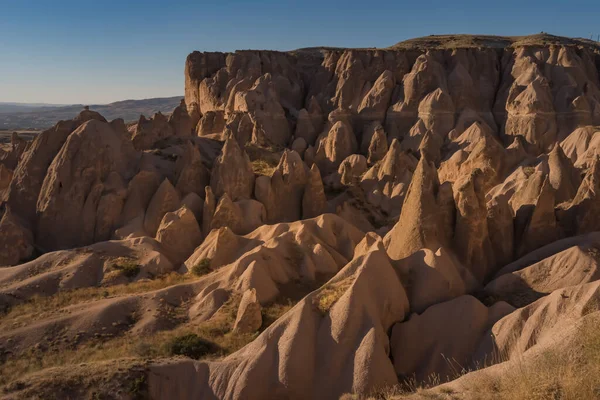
164	200
421	217
16	240
179	234
352	169
249	317
287	182
314	202
193	176
232	172
83	193
242	216
333	148
471	234
30	173
180	121
149	131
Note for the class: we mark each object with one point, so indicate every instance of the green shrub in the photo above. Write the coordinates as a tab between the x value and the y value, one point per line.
128	267
190	345
202	267
138	387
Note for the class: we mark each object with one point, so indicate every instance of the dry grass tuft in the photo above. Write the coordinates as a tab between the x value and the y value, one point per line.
331	293
263	167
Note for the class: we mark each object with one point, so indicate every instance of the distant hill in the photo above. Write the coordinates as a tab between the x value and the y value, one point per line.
16	116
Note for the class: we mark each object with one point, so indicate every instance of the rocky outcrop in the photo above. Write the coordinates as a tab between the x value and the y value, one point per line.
314	201
501	230
208	210
166	199
421	216
542	227
352	169
242	216
179	234
335	146
16	240
471	235
249	317
374	143
192	175
232	172
287	182
29	175
9	157
562	175
149	131
582	214
465	154
180	121
84	190
445	337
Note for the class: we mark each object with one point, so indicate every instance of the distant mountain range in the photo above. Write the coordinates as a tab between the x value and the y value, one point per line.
17	116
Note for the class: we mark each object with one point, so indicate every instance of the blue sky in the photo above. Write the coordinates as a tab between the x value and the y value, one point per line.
65	51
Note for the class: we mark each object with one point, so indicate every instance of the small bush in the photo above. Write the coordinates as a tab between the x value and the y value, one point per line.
202	267
127	267
263	167
138	387
330	294
529	170
191	345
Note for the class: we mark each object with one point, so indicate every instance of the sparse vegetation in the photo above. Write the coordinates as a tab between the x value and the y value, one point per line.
202	267
263	167
529	170
331	293
138	387
127	267
191	345
217	331
41	306
272	312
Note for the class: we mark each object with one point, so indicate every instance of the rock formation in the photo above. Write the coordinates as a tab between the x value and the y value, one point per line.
312	224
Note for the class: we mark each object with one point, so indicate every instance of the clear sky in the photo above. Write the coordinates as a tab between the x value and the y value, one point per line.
99	51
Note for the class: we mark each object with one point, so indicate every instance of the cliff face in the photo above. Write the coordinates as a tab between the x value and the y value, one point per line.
540	92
